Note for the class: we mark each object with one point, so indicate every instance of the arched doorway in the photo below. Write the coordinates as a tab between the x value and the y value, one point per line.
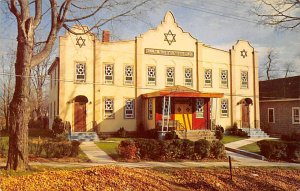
246	112
80	113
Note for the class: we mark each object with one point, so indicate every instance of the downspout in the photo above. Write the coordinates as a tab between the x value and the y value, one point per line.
94	84
135	86
231	99
254	87
197	67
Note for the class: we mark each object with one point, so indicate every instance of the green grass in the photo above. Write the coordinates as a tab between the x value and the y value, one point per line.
110	148
116	139
231	138
253	148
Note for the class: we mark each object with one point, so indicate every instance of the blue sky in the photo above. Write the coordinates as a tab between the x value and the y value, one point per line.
215	22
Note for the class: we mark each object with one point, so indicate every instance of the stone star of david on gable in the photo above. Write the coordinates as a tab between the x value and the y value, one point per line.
80	42
244	53
170	37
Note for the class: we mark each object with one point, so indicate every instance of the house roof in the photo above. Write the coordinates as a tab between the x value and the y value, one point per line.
180	91
281	88
53	65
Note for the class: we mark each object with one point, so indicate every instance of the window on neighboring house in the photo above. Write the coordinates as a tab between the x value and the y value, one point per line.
224	78
199	108
170	76
208	78
128	80
129	109
296	115
188	76
150	109
224	107
80	72
109	108
108	73
271	115
151	75
244	79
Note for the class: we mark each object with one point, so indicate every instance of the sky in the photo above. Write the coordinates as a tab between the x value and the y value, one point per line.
219	23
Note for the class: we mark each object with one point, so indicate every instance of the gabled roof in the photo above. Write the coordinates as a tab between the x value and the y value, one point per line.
53	65
281	88
181	91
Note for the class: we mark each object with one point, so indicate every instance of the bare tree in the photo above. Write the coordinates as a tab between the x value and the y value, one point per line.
288	67
29	15
269	67
279	13
6	87
39	75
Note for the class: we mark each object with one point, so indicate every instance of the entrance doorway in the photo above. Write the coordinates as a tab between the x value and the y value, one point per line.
245	116
183	114
80	114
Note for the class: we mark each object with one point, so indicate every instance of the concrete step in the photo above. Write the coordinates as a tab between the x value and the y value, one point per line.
84	136
257	133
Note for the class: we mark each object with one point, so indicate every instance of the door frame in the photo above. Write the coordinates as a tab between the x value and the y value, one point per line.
80	101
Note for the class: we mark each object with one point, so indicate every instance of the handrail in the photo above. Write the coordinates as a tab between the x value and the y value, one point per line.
173	125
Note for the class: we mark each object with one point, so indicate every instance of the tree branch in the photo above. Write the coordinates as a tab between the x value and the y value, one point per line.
87	16
13	8
39	57
38	13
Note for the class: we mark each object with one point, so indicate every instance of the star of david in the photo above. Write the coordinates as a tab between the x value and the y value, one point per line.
80	42
244	53
170	37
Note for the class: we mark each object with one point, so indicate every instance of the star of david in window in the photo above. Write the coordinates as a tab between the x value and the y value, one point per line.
80	42
244	53
170	37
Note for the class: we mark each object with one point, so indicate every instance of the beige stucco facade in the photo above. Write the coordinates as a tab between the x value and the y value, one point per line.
102	77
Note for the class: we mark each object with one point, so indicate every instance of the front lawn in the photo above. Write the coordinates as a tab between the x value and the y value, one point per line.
231	138
253	148
122	178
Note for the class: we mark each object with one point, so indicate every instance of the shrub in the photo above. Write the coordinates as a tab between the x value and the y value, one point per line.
202	148
217	149
171	135
122	133
291	137
151	134
75	148
148	148
57	149
273	149
219	133
182	148
58	126
128	150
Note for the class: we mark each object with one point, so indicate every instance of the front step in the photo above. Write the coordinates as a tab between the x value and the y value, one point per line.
255	133
83	136
195	135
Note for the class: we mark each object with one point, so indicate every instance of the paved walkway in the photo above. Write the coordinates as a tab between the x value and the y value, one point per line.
237	144
95	154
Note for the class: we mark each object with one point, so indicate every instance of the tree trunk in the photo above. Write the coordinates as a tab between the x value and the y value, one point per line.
18	109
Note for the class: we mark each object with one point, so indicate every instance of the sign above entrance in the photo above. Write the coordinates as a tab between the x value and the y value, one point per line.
169	52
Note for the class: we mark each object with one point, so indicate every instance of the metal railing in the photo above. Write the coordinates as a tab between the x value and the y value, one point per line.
173	125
